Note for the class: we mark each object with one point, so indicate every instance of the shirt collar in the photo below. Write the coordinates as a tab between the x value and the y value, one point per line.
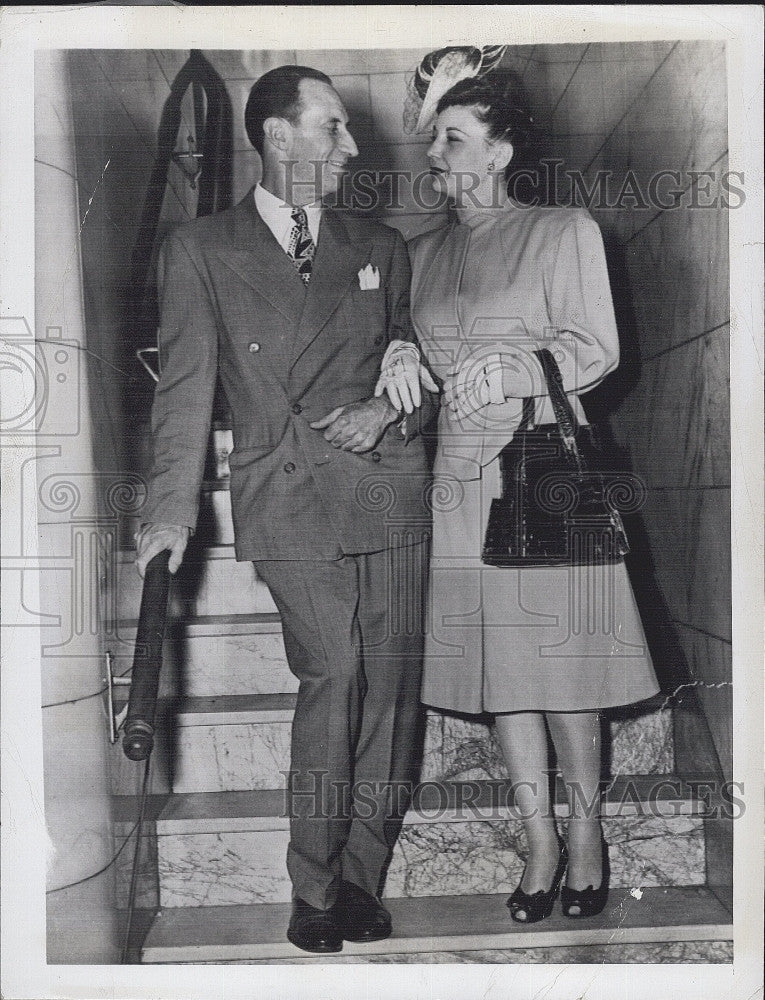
277	214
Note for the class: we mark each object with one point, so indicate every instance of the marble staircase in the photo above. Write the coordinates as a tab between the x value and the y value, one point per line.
212	860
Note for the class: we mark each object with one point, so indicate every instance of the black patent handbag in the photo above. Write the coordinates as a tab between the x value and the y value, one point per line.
558	505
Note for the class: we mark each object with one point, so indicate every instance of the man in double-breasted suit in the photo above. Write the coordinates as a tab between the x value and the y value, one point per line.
294	305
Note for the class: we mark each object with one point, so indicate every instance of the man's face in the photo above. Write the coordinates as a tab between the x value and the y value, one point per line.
319	143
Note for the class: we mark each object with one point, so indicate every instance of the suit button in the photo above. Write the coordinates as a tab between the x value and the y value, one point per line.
379	340
376	456
297	408
289	467
254	347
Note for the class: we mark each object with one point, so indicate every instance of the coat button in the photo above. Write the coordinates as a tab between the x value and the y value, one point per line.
289	467
297	409
376	456
379	340
254	347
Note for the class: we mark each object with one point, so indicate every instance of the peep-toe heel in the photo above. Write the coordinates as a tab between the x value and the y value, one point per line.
531	907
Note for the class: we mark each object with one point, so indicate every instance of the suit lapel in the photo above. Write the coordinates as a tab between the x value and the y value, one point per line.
259	260
336	265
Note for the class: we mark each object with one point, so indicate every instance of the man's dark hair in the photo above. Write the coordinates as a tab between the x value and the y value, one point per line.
276	94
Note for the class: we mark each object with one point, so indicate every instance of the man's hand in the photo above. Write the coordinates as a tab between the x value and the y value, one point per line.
357	427
152	539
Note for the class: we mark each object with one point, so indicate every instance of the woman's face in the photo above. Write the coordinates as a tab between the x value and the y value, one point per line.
460	153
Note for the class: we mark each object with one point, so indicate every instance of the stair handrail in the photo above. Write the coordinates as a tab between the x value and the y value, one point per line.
138	739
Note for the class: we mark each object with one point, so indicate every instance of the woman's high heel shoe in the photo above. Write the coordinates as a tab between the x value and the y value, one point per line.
531	907
580	903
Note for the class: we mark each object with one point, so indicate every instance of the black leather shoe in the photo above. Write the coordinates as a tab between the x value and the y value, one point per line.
531	907
312	929
581	903
359	915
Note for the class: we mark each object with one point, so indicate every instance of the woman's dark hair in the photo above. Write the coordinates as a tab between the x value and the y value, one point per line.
277	94
500	102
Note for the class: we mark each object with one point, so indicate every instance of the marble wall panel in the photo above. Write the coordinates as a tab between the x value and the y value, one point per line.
340	61
623	86
198	665
433	859
171	61
246	64
579	151
143	102
675	422
411	191
689	537
246	756
640	743
655	51
231	758
242	663
567	52
558	77
678	272
656	851
388	93
130	64
116	174
581	104
354	91
224	869
689	89
245	173
238	92
460	747
212	587
710	663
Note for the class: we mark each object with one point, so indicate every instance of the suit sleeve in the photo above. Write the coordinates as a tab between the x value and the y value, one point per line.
183	400
583	336
400	328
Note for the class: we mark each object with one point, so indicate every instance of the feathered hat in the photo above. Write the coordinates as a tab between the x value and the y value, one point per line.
437	73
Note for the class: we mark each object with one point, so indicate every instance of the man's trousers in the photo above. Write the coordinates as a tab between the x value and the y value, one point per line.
353	633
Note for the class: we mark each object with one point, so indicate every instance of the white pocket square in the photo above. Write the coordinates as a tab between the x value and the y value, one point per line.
369	277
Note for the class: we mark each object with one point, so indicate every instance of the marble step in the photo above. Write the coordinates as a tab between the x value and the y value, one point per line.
215	654
209	582
230	848
454	928
242	742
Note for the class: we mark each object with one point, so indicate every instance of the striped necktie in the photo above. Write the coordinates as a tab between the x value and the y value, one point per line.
301	247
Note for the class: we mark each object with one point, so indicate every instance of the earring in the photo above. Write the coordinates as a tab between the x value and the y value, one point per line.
491	167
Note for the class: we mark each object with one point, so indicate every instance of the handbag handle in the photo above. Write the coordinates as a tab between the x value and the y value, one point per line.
562	408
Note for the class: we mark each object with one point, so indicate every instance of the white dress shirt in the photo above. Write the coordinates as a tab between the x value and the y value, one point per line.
277	215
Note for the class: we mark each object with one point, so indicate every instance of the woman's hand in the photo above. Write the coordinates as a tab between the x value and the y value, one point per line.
402	374
475	385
